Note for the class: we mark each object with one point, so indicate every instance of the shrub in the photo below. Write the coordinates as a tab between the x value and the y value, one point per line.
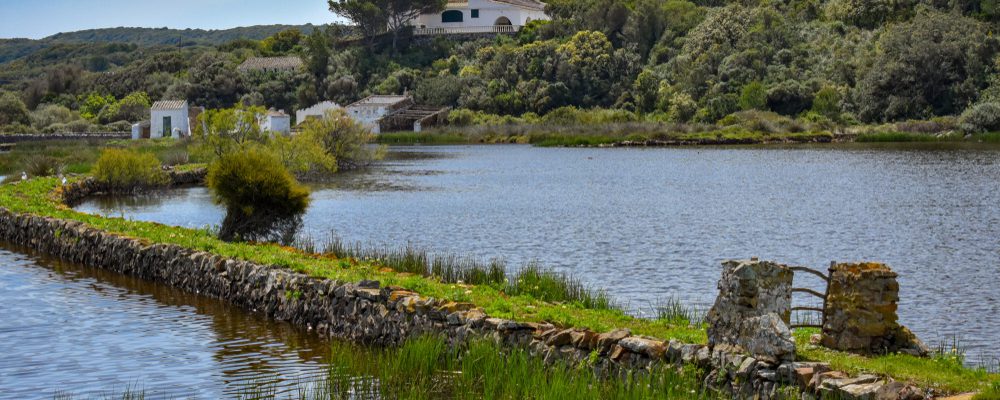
43	166
344	138
982	117
262	199
789	98
128	170
13	111
753	96
49	114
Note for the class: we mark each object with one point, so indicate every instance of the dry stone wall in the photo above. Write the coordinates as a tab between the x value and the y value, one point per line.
369	312
861	312
752	310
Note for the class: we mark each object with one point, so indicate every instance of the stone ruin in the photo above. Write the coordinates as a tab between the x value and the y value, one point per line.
752	311
860	313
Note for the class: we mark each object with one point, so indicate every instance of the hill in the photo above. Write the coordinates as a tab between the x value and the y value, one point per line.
14	49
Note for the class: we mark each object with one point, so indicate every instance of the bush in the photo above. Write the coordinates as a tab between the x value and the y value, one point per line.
262	199
344	139
43	166
982	117
128	170
13	111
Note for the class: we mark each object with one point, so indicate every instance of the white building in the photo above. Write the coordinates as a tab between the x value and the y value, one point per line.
276	121
370	111
316	111
169	118
480	16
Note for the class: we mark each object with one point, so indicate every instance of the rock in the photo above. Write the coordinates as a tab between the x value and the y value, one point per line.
753	309
746	367
768	338
606	340
651	348
366	284
369	294
861	391
560	338
586	340
819	378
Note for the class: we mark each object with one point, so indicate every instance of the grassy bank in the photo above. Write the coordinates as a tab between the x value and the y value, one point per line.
78	156
652	134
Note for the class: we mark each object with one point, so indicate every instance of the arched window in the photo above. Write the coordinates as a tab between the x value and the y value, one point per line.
452	16
503	21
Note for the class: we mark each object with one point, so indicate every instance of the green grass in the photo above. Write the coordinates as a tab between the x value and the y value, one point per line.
944	372
423	138
79	156
426	367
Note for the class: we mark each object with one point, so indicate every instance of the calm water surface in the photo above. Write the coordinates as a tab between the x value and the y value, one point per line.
649	224
89	333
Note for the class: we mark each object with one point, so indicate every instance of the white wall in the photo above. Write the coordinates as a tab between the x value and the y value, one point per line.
367	115
178	120
278	124
318	110
489	12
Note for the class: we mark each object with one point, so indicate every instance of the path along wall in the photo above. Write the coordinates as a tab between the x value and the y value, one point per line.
370	313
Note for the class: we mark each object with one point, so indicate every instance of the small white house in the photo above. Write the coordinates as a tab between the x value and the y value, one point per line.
276	121
169	118
370	111
480	16
316	111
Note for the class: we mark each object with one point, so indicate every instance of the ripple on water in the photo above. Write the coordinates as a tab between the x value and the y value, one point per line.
87	332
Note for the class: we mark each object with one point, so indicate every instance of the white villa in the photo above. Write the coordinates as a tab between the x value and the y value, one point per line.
169	118
480	16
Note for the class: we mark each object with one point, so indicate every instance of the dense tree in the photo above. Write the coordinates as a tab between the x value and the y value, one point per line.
932	65
213	81
374	16
13	110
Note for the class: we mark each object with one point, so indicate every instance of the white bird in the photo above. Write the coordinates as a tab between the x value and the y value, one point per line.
24	176
64	181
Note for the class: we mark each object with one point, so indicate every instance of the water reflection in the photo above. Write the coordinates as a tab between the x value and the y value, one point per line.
83	331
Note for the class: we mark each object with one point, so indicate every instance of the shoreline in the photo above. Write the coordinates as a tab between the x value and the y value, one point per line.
69	235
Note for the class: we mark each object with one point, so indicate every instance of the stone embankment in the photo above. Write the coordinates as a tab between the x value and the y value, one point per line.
369	312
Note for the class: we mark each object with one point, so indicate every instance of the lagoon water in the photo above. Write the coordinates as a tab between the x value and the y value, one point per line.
652	224
87	333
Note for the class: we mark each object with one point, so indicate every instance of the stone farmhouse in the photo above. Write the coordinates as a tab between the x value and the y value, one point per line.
395	113
480	16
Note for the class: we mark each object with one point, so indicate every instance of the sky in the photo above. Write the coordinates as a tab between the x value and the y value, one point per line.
36	19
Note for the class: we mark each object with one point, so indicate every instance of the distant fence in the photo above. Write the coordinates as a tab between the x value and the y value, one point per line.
18	138
467	29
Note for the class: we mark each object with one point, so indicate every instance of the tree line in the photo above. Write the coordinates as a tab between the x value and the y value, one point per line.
837	62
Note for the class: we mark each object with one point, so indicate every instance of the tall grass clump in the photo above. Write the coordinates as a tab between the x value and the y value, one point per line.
41	165
552	286
674	311
531	280
427	367
126	170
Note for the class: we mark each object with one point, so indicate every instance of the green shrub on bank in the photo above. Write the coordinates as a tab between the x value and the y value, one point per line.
261	197
982	117
128	170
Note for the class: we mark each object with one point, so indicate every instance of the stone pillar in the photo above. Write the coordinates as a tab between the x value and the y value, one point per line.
860	314
752	311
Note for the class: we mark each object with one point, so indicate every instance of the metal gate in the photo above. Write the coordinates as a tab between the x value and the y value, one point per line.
822	296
